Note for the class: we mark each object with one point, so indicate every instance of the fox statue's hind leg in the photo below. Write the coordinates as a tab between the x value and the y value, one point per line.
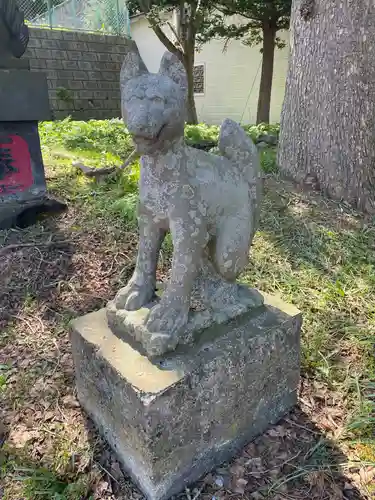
224	259
230	253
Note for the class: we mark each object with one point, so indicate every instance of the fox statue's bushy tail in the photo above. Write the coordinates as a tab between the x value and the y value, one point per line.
239	148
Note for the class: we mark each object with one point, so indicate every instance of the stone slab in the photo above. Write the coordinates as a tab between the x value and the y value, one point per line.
23	96
132	323
173	419
14	63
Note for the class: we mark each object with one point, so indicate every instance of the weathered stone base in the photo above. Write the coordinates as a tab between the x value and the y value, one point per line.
171	421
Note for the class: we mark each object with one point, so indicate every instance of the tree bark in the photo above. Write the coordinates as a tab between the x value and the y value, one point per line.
191	111
328	118
188	33
265	89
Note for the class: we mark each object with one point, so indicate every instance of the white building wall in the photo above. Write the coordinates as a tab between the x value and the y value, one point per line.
231	76
149	45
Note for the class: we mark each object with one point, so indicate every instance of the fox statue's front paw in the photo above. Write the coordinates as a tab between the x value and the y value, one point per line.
166	320
134	296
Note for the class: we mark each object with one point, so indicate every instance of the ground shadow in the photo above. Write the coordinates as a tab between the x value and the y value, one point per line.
50	273
34	261
316	232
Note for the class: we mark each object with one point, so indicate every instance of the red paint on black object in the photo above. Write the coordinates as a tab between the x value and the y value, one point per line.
15	165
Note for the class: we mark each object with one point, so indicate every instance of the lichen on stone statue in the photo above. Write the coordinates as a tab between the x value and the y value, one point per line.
209	203
14	34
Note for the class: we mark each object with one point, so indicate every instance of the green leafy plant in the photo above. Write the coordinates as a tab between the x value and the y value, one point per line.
268	161
64	95
201	133
126	207
3	376
263	128
109	142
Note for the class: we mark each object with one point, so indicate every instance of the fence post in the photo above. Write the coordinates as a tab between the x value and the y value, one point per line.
127	21
49	7
118	17
74	12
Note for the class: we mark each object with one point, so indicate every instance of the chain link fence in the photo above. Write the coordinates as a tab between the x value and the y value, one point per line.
104	16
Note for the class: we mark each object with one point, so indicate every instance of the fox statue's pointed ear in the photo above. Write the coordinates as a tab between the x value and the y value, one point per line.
133	65
172	67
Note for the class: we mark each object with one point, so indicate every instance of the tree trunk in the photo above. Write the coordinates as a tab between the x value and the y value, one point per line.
328	119
192	118
186	32
265	89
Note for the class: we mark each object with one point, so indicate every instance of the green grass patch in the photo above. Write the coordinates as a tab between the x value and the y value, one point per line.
38	483
107	142
3	376
268	160
98	136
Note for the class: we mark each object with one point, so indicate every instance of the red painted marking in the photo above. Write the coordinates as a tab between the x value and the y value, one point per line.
22	177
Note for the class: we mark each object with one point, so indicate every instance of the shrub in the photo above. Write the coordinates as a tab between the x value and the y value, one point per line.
255	131
201	133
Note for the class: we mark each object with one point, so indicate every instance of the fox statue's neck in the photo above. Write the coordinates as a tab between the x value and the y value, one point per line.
164	161
168	149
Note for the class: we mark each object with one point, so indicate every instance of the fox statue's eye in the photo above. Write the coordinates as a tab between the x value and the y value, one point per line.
158	99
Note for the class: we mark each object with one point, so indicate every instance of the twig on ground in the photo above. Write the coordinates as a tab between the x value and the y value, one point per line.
16	246
40	322
91	171
291	422
187	492
280	466
196	496
100	172
130	159
15	316
106	471
198	493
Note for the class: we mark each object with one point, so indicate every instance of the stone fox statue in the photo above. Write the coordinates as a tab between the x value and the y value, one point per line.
208	202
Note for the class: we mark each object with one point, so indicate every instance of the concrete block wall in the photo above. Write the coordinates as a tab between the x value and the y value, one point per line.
82	69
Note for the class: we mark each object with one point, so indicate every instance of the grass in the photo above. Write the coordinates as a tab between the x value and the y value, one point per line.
41	484
316	254
108	141
324	264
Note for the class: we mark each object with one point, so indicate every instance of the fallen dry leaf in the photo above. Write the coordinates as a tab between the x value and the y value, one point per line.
238	485
20	436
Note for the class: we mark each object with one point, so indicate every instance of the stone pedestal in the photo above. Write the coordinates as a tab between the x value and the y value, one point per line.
23	102
171	420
